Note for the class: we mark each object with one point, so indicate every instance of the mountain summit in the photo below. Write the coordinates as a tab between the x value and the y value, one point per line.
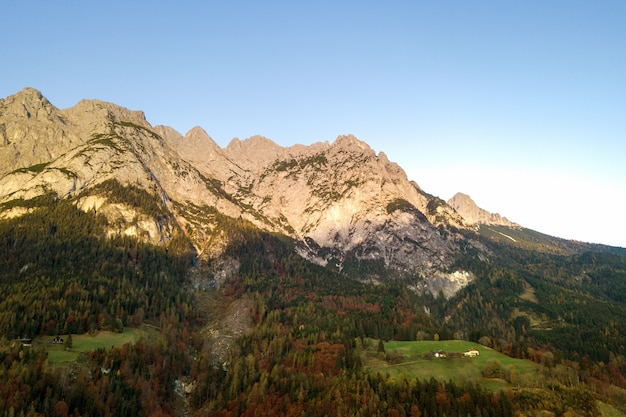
343	205
472	214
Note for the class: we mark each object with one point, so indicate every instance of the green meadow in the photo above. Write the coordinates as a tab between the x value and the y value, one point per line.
417	359
88	342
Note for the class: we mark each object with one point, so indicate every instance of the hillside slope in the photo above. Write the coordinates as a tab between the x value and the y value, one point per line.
260	272
344	205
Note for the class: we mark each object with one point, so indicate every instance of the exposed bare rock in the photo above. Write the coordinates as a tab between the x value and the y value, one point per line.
95	116
168	133
32	131
71	151
447	283
201	151
473	214
253	153
342	203
345	203
257	152
29	103
234	322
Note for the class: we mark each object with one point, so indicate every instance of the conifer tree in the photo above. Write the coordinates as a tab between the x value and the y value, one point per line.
68	342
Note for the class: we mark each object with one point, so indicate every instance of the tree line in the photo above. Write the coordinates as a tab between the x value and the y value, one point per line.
303	355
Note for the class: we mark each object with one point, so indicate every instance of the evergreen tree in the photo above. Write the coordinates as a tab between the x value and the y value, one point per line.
68	342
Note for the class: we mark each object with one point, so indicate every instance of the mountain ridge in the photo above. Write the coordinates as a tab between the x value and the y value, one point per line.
474	215
341	203
261	275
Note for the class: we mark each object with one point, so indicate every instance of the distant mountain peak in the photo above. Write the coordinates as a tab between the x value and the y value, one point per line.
198	137
253	143
98	109
29	103
352	144
472	214
28	94
254	153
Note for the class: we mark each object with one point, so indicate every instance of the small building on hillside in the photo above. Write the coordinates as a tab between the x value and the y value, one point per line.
26	342
471	353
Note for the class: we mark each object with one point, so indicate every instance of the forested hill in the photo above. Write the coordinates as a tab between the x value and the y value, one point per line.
261	277
309	325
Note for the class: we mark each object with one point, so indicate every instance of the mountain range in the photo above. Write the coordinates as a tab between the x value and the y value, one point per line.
259	274
341	202
343	205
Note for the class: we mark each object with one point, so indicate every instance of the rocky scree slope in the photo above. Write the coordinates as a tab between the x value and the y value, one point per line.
345	206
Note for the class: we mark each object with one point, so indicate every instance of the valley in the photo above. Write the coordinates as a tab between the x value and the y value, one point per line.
263	280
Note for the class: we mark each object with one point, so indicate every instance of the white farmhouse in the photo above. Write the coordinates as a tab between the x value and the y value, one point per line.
471	353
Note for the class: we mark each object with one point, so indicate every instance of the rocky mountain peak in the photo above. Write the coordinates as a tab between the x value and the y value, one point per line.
349	143
199	149
32	130
98	114
198	140
254	153
253	143
168	133
341	203
28	103
472	214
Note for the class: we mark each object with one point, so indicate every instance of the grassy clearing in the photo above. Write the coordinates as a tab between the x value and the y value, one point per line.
609	411
87	343
417	359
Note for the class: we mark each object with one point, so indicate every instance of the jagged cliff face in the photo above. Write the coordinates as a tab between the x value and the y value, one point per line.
341	202
474	215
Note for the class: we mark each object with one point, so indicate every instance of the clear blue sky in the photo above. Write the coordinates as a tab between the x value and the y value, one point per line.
521	105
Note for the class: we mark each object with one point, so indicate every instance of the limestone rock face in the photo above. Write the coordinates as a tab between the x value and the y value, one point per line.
347	205
199	149
69	152
32	131
344	205
474	215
